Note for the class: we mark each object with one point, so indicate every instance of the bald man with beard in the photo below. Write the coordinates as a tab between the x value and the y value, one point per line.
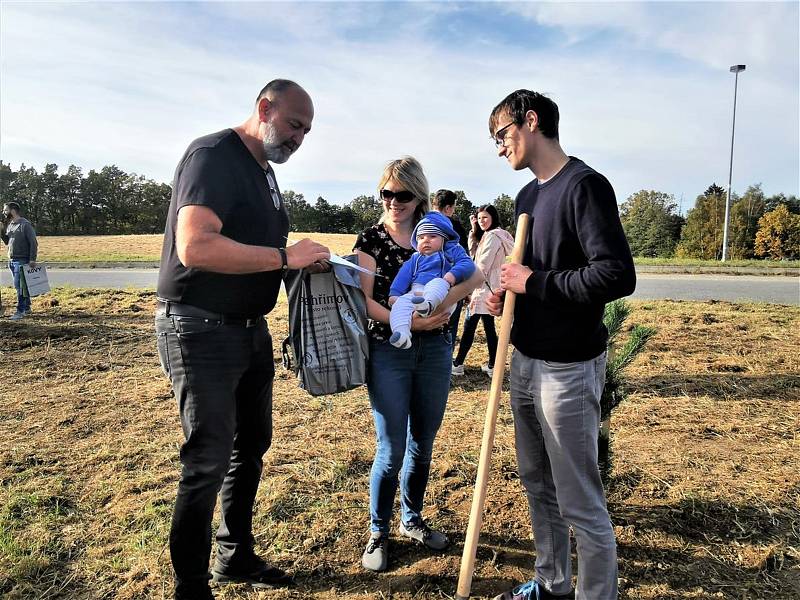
222	263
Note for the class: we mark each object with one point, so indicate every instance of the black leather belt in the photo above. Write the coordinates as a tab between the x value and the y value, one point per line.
177	309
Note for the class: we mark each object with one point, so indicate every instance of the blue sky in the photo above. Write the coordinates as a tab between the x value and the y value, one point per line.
643	87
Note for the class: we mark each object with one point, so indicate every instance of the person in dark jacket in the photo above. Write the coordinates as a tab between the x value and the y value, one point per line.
576	260
444	201
20	237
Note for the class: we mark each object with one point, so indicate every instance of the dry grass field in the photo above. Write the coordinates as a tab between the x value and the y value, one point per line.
705	494
146	248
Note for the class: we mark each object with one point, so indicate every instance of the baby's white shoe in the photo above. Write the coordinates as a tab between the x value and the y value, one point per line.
422	306
400	340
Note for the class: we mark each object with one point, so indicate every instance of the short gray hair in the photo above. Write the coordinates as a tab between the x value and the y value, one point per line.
275	88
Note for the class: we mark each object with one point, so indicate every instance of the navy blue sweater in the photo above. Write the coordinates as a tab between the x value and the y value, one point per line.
580	260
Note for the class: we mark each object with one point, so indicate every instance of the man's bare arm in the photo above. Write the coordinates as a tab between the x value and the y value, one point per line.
200	245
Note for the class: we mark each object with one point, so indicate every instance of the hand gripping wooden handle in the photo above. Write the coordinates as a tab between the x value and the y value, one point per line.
484	463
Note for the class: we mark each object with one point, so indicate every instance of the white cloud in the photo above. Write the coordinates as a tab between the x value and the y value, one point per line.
643	88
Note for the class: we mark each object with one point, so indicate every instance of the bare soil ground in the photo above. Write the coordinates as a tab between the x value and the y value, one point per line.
705	494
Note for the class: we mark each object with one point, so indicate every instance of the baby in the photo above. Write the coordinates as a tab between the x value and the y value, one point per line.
424	280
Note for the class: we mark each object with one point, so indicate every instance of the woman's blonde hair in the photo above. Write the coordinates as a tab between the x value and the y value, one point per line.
408	172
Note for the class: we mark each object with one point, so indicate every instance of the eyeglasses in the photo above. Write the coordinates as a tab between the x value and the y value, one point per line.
500	136
403	197
273	191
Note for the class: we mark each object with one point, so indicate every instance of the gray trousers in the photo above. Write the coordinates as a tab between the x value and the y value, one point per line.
556	410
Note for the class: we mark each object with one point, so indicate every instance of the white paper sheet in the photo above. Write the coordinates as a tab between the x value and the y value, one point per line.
338	260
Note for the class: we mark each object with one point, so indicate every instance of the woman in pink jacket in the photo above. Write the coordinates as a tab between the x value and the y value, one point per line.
495	244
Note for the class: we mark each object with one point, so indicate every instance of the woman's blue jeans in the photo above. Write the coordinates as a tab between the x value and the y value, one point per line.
408	392
23	301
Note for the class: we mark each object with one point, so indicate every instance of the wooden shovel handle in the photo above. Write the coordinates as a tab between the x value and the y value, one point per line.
484	463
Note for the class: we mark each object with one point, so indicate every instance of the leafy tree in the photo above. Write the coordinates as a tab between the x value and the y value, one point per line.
505	208
69	194
464	208
651	222
7	176
745	213
366	211
701	237
26	189
155	199
778	235
326	216
792	203
300	211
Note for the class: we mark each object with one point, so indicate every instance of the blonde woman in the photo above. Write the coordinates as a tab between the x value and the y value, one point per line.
408	389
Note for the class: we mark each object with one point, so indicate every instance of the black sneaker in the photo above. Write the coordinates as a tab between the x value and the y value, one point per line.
193	592
532	590
256	572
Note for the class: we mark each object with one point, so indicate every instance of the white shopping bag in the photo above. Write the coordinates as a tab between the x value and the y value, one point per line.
36	280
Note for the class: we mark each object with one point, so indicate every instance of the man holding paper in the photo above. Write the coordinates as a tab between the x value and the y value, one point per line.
20	237
222	263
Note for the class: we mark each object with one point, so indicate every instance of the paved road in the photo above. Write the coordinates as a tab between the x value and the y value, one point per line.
651	286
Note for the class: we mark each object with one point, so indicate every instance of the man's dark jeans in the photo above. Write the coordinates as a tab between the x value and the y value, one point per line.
222	378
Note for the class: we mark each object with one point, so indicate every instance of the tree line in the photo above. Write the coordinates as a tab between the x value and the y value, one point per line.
103	202
111	201
759	226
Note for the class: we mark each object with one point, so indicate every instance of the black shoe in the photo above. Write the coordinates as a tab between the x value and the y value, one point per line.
533	590
256	572
193	592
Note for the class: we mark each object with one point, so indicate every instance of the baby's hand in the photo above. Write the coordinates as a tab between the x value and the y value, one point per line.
450	278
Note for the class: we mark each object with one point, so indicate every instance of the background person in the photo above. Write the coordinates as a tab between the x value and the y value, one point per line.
576	260
222	263
495	243
20	237
474	235
408	389
446	202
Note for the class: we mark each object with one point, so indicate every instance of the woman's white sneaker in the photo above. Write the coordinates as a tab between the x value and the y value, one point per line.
457	370
419	531
376	554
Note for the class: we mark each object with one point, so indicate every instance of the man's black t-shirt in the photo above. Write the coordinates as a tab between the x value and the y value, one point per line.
580	260
218	171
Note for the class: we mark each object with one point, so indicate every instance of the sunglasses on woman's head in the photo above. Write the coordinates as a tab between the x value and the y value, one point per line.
403	197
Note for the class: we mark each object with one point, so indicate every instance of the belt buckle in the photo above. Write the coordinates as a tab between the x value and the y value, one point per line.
251	322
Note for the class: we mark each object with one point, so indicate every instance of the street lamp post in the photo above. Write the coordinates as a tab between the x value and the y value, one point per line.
736	69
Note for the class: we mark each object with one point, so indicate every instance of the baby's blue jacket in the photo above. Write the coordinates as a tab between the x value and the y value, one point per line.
421	269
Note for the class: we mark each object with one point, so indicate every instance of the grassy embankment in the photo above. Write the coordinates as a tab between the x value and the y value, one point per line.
705	494
147	248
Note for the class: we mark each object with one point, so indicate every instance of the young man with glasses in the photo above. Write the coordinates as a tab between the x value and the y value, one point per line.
577	259
222	263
